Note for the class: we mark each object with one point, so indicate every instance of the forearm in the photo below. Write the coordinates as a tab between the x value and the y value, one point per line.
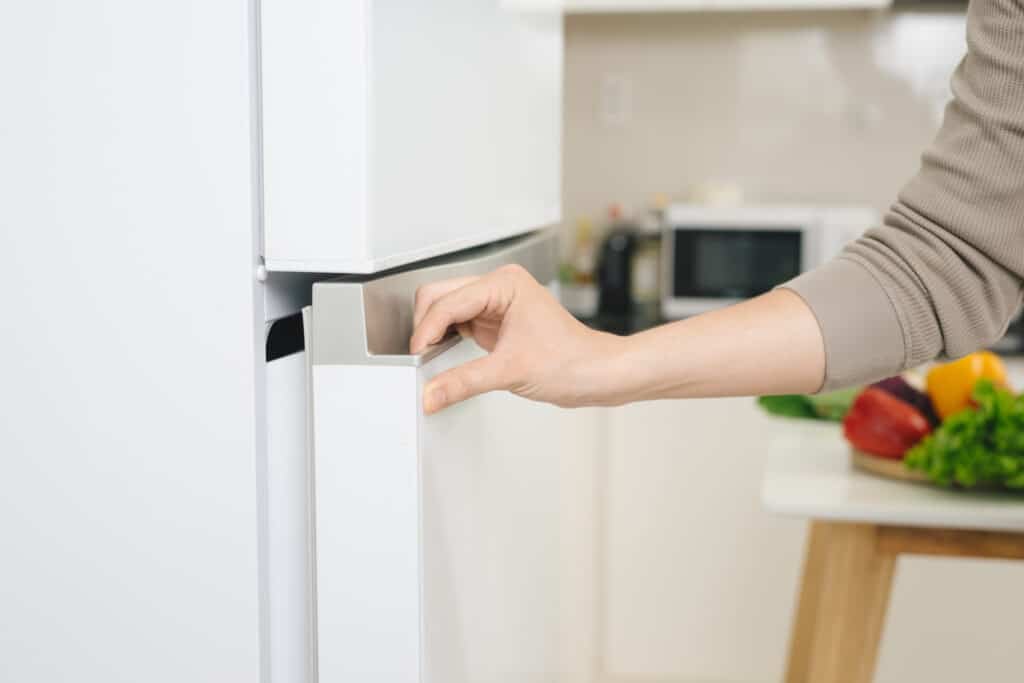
768	345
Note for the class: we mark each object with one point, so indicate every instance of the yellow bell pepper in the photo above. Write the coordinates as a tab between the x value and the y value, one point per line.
950	384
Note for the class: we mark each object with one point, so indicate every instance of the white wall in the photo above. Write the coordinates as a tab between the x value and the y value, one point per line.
831	106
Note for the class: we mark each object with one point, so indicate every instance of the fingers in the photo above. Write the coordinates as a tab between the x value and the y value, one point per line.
428	294
463	382
458	306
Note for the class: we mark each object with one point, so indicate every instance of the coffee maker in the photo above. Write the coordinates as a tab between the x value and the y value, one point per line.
615	281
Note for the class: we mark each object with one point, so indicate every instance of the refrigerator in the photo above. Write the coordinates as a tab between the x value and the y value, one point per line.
214	465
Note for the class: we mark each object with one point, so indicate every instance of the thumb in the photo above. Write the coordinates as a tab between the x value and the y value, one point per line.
462	382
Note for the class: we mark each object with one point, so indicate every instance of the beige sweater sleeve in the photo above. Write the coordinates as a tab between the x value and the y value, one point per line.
944	275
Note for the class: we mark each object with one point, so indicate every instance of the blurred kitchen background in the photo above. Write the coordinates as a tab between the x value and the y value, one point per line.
825	107
686	577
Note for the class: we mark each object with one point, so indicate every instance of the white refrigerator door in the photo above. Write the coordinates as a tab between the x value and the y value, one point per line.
436	539
394	131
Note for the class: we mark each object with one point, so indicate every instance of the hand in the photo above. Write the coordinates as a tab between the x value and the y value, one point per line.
536	348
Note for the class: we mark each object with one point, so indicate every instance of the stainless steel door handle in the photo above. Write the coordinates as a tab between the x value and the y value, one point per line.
367	320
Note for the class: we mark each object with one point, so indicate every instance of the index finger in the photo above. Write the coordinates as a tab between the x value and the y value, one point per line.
427	294
458	306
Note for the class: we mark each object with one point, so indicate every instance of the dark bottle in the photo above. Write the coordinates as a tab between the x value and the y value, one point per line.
615	306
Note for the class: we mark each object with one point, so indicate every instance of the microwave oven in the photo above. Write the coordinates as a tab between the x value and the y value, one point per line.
716	256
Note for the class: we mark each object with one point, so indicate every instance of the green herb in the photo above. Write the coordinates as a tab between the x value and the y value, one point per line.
977	447
831	406
790	405
835	404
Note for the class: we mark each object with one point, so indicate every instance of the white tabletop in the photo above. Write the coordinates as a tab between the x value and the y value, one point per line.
808	474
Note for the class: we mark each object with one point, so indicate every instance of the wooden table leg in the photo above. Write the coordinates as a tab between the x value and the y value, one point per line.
801	643
845	593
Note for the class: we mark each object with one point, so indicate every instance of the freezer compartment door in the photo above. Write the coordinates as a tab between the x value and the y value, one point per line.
394	131
436	537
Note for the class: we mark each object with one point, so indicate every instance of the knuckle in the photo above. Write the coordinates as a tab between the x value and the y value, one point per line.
423	293
429	324
437	307
459	386
513	270
481	374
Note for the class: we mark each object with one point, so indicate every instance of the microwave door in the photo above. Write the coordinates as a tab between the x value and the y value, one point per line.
436	537
712	267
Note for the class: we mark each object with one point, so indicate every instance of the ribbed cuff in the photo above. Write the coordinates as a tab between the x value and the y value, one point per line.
863	338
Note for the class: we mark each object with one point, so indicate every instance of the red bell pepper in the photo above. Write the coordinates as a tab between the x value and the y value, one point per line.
881	424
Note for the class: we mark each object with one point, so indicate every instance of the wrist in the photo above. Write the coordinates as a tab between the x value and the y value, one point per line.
601	371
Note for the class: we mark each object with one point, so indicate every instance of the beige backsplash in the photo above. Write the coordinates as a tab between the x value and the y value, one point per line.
820	107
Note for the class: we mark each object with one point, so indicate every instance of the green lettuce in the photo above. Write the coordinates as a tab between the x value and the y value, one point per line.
983	446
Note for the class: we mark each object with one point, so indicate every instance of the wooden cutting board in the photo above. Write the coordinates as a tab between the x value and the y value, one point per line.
885	467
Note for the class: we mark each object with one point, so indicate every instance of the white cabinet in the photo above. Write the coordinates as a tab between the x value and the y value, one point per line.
692	570
394	131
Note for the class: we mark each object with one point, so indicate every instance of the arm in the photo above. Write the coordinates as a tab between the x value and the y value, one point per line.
944	274
770	344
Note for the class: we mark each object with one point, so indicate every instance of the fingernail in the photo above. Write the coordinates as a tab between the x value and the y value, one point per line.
435	399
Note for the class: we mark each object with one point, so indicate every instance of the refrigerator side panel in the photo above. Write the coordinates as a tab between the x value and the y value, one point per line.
367	523
128	439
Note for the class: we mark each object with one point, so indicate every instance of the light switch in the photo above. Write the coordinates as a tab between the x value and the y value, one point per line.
615	100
